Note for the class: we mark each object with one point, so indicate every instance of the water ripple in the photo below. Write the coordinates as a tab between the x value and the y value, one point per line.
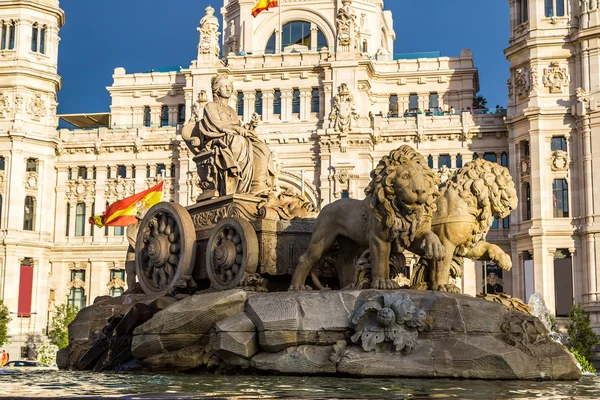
66	384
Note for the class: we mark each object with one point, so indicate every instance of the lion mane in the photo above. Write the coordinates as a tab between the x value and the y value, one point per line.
401	220
489	191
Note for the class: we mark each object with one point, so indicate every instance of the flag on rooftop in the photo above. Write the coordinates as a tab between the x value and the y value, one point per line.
263	5
123	212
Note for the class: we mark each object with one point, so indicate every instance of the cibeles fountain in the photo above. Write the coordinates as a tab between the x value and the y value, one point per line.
216	291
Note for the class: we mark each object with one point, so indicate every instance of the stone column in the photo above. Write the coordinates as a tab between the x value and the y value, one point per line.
155	116
268	96
173	115
468	282
313	37
88	213
435	158
305	96
549	288
61	223
286	105
101	173
72	217
249	109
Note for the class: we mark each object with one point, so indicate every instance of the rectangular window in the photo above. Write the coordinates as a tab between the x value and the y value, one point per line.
29	213
296	101
548	8
560	198
2	163
444	160
25	289
258	103
116	274
68	219
430	162
77	298
43	40
560	8
314	100
31	165
413	102
504	159
147	116
0	210
434	102
172	171
82	172
160	168
526	195
80	219
121	171
558	143
506	222
11	37
181	113
277	102
459	162
3	45
93	212
119	230
393	105
240	104
34	38
524	11
164	116
490	157
494	224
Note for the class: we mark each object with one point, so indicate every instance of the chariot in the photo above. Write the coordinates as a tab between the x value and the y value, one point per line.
229	241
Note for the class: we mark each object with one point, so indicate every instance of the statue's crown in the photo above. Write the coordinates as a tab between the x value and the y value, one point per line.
209	10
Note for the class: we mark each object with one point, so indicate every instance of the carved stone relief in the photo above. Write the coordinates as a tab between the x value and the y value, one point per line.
560	160
5	106
522	83
344	112
556	78
209	34
31	180
345	22
510	88
37	107
80	191
119	188
525	167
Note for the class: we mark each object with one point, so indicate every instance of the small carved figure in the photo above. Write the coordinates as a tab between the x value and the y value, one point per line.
229	156
466	208
209	33
344	111
198	107
395	216
345	20
132	231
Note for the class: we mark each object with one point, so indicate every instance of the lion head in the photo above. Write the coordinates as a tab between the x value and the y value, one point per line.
403	191
489	190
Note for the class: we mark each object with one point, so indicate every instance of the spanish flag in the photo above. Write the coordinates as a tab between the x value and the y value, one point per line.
263	5
122	212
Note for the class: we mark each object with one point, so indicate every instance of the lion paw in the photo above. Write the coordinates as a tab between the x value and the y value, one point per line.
449	288
384	284
504	262
299	288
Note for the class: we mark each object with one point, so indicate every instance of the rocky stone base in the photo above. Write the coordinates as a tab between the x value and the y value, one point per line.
408	334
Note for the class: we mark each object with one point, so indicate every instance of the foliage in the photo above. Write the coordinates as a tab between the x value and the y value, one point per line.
48	353
33	344
479	102
4	320
582	337
585	364
553	327
62	317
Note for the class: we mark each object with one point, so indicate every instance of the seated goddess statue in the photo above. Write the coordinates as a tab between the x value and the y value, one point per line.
229	156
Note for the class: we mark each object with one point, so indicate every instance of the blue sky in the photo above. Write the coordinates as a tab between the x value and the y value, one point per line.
154	33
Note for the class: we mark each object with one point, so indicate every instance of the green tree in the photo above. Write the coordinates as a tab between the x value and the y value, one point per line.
59	333
582	337
4	320
479	102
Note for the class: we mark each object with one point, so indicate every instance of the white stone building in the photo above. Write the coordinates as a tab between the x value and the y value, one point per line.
332	56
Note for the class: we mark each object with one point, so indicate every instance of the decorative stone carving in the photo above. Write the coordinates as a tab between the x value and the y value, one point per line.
556	78
19	103
345	23
31	180
229	156
379	222
344	111
388	321
168	188
487	191
5	105
37	107
119	188
76	283
510	88
559	160
80	191
444	173
525	166
534	80
116	283
522	84
2	180
288	205
209	34
198	107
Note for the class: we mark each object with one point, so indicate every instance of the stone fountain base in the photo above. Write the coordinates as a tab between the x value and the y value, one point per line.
311	333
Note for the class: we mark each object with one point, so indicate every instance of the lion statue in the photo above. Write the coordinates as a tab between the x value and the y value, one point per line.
395	216
468	203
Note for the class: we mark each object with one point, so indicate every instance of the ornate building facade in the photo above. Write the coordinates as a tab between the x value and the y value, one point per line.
333	99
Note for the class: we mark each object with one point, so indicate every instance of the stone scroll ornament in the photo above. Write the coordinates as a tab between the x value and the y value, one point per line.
387	322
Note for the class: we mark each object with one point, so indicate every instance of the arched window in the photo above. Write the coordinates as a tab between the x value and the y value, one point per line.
297	32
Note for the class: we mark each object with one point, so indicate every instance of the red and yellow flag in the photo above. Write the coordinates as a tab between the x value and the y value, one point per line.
122	212
263	5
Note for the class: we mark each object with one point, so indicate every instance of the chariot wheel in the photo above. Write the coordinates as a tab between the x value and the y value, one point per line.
164	249
231	253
